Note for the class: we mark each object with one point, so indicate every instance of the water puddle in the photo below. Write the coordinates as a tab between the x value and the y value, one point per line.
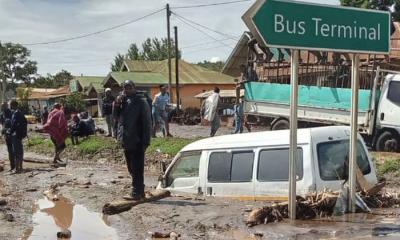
52	217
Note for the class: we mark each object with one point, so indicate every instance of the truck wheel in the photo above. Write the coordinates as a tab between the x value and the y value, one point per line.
280	125
387	142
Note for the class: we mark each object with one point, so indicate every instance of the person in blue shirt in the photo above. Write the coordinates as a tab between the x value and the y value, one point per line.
18	132
239	116
160	111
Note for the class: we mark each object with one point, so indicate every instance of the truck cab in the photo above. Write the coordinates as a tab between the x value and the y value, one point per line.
387	130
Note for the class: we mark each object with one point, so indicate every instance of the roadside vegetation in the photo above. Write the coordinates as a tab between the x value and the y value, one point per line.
96	147
387	164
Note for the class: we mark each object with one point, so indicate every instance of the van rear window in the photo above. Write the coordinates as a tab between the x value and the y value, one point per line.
332	157
273	165
231	167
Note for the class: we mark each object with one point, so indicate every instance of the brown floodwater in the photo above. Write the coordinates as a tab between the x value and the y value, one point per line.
51	217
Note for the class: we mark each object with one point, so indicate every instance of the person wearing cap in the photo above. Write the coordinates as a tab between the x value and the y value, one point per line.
107	111
134	134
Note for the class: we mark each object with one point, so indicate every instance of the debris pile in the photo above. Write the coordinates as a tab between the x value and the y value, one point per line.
320	205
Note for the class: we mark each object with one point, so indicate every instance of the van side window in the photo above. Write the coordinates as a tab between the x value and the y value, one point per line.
332	156
394	92
187	165
273	165
231	167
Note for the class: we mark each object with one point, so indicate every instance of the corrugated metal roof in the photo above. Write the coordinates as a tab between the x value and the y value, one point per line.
222	93
139	78
85	81
188	73
48	93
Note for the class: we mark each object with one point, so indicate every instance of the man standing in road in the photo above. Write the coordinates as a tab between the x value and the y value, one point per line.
160	111
19	129
107	111
211	107
45	115
5	121
134	133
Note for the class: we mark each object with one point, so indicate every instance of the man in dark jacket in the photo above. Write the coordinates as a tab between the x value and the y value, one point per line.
18	132
134	133
107	110
5	120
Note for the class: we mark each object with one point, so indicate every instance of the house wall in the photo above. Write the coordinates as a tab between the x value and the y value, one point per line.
188	91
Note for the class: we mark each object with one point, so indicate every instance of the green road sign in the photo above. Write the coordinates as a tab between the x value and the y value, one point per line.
299	25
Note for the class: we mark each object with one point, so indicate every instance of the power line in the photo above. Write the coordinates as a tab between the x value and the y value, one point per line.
94	33
205	33
203	43
205	27
211	4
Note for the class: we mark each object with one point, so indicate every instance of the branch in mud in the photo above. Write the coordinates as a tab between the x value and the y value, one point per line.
118	206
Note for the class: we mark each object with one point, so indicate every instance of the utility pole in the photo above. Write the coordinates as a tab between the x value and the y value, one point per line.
176	68
169	51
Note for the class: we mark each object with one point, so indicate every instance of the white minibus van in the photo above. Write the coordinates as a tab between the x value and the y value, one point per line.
255	165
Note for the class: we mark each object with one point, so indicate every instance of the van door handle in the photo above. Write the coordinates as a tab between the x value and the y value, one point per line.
382	116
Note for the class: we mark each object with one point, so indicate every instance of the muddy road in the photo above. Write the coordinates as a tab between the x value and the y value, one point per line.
84	187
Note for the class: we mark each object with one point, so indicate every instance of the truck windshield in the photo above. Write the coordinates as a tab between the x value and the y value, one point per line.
394	92
333	158
187	165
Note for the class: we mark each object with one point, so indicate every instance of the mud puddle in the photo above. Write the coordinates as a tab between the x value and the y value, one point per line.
51	217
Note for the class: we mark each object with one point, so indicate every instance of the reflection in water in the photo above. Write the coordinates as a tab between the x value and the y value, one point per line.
52	217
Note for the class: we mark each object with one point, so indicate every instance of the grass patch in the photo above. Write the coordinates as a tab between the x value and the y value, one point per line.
39	143
94	144
170	146
391	165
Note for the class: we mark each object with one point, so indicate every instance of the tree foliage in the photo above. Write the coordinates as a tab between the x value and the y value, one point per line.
118	61
376	4
23	99
215	66
60	79
15	66
152	49
74	103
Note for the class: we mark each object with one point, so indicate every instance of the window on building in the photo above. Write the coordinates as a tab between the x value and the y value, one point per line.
273	165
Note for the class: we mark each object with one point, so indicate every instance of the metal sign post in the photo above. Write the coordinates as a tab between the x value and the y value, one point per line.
354	130
294	60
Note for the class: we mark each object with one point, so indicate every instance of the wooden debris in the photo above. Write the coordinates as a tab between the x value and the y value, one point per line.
164	235
31	190
320	204
64	234
118	206
3	202
51	194
9	217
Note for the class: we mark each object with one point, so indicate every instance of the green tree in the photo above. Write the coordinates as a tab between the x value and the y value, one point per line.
60	79
74	103
23	99
15	66
215	66
153	49
376	4
118	61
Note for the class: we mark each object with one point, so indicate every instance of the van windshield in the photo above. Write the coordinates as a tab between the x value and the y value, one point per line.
333	157
187	165
394	92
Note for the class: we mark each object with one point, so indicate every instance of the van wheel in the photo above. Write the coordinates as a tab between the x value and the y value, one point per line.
280	125
387	142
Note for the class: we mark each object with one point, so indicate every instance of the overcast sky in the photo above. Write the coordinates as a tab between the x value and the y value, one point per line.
32	21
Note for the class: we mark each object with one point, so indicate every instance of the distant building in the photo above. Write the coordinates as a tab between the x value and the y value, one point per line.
92	89
148	75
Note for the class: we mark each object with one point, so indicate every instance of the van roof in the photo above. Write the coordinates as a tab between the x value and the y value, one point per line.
265	138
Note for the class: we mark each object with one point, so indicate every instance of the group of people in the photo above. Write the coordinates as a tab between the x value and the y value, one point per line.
159	108
211	113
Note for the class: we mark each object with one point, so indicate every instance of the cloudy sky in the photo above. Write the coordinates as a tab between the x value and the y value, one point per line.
33	21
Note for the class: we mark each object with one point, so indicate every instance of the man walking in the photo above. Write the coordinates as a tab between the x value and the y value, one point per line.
107	111
134	133
239	116
18	131
56	126
211	111
160	111
5	120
